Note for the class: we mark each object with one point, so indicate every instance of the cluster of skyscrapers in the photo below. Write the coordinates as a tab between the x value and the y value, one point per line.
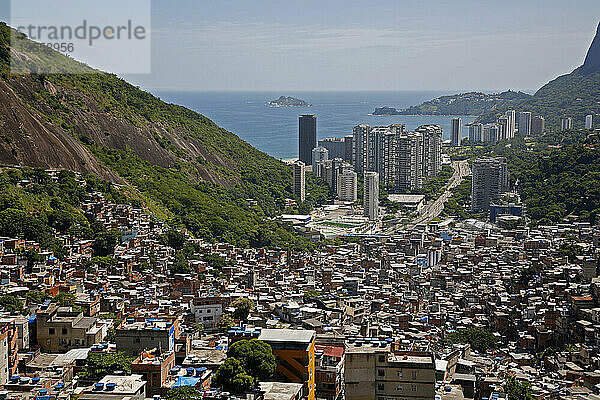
399	159
403	159
507	125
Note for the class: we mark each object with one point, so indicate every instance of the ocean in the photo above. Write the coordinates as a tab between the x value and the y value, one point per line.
274	130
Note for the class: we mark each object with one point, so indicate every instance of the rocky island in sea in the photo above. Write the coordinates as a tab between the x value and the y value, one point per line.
288	101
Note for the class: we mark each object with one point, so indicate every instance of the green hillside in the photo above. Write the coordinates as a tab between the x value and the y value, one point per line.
205	177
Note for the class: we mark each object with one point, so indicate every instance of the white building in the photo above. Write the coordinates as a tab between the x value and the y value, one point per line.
299	180
207	311
475	132
512	124
347	183
371	195
589	121
566	123
318	154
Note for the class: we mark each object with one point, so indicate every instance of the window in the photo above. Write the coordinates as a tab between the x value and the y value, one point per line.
414	375
381	358
380	386
399	388
50	331
399	373
380	372
64	331
137	339
413	388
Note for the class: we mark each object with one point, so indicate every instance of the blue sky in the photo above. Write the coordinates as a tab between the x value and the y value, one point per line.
365	45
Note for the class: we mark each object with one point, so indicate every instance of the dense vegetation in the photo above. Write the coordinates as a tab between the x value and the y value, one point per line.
98	365
248	362
479	339
556	175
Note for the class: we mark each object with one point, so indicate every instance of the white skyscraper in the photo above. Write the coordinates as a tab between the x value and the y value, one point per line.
504	125
318	154
347	186
299	180
566	124
371	195
589	121
512	124
475	132
456	132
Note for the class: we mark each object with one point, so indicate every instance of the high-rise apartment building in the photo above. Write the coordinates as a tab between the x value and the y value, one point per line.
490	180
432	149
307	129
566	123
538	125
475	132
371	195
402	158
512	124
525	123
503	128
335	146
347	183
359	146
319	154
348	139
491	133
456	132
299	180
589	121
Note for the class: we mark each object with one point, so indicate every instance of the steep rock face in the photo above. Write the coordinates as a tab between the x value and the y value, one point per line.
592	59
26	139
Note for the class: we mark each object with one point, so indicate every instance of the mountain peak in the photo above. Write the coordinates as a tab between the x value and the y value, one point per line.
592	59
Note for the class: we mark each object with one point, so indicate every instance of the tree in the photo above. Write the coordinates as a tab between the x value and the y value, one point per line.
183	393
65	299
256	357
180	265
516	390
243	306
173	238
215	261
12	304
233	377
105	242
37	297
225	322
479	339
98	365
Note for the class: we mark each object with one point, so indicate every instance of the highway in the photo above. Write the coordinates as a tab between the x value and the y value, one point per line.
435	208
432	210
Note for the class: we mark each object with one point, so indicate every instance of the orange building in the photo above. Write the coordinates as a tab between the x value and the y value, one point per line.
295	353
